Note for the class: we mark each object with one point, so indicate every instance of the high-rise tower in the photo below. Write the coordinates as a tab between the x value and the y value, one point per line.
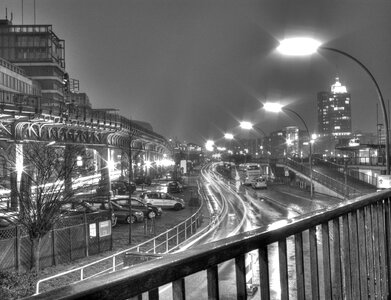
334	111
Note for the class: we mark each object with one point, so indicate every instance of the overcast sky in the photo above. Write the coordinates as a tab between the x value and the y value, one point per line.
194	69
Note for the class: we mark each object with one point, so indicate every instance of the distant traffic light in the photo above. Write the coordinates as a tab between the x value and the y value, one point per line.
65	82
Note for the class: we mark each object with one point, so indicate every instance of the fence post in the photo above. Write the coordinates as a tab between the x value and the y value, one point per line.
17	248
70	243
167	242
86	235
53	248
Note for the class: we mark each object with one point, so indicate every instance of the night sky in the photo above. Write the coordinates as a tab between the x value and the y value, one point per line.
194	69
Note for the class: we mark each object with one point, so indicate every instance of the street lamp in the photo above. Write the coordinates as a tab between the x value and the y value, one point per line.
229	136
275	107
248	126
307	46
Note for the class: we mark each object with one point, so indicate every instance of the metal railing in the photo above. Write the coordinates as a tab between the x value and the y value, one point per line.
351	173
163	243
339	253
335	185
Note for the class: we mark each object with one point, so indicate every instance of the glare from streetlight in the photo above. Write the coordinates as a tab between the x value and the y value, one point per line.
229	136
209	145
246	125
272	107
299	46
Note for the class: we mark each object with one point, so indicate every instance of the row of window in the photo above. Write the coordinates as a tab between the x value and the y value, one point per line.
25	53
24	41
17	85
26	28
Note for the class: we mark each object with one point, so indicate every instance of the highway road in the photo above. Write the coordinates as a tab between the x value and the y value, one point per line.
237	209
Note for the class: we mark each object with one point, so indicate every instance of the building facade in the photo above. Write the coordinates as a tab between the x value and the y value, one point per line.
39	52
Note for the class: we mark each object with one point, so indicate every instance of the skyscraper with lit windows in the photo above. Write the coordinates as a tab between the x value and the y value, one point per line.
334	111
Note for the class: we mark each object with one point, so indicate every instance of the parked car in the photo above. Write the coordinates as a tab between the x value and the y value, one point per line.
143	180
164	200
174	187
150	211
120	187
122	214
84	207
259	183
8	218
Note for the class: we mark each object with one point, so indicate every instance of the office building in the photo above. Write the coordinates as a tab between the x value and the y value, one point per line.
334	111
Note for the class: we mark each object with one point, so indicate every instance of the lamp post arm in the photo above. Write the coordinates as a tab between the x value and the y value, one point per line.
260	130
380	97
302	120
310	146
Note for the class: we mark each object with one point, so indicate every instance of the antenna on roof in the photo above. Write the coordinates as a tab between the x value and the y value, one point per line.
12	16
22	12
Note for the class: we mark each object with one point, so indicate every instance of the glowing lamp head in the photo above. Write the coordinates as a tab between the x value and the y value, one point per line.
246	125
229	136
209	145
299	46
272	107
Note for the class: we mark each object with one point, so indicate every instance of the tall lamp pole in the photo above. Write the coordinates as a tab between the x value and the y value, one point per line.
310	145
130	171
275	107
307	46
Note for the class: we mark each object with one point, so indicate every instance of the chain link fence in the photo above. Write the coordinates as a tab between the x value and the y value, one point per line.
72	238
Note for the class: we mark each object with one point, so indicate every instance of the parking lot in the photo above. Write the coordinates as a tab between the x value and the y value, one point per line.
143	231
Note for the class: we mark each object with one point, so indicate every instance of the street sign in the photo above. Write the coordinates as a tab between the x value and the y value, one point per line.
384	181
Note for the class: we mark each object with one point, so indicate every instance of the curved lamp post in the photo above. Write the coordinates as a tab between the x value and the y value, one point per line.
308	46
275	107
248	126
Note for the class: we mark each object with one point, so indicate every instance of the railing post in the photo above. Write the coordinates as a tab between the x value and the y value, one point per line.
191	226
167	242
240	267
213	283
177	235
388	244
178	289
264	273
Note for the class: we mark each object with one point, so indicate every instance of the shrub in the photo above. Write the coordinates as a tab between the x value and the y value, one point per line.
14	285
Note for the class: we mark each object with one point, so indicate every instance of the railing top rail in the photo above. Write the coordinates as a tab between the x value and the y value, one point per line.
153	274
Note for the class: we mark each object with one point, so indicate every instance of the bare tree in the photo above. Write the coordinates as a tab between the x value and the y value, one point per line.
45	187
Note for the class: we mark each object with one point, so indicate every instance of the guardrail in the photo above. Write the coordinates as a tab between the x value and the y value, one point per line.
339	253
335	185
161	244
352	174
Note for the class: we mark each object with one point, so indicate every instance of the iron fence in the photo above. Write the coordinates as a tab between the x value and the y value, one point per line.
70	239
163	243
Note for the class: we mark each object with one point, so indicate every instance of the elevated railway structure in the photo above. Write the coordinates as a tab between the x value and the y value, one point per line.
26	118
